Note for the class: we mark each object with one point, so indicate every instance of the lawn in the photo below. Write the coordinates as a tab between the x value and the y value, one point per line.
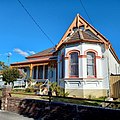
83	102
31	95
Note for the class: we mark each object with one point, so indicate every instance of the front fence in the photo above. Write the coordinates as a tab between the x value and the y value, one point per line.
60	108
51	110
83	101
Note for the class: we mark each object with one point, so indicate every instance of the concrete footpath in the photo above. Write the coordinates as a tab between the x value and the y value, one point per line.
4	115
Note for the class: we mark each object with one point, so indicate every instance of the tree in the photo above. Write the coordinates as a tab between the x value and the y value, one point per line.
3	66
10	75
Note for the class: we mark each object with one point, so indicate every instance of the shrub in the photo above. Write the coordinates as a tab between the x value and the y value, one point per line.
58	90
38	85
29	89
18	90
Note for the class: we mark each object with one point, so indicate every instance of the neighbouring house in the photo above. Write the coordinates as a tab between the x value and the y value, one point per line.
19	83
81	62
1	76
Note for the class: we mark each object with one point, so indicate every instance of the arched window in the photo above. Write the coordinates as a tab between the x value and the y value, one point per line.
74	64
91	64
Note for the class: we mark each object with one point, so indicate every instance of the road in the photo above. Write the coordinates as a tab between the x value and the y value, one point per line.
4	115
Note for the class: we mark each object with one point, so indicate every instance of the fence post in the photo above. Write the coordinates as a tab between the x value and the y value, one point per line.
5	95
50	95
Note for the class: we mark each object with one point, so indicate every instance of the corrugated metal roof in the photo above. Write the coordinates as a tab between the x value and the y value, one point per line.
46	52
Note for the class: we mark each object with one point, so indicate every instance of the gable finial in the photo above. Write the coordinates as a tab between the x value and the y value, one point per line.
78	14
77	22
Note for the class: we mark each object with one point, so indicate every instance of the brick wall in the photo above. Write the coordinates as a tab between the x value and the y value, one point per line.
13	104
5	95
60	111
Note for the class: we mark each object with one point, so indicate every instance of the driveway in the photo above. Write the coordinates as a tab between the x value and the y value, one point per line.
4	115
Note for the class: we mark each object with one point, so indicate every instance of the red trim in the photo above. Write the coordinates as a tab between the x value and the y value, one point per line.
66	58
91	77
73	76
98	57
91	50
71	51
82	56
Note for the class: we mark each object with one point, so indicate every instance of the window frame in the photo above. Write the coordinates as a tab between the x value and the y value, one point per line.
35	72
40	74
93	65
45	71
75	75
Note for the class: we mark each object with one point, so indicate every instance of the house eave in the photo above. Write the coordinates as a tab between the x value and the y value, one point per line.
80	41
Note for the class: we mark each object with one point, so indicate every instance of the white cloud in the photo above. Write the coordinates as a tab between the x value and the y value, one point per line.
9	53
19	51
31	52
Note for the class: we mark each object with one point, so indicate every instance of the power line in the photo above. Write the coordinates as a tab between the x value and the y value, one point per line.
35	22
86	12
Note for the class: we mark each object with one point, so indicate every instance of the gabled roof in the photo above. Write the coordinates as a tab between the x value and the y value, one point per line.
79	31
80	23
88	34
47	52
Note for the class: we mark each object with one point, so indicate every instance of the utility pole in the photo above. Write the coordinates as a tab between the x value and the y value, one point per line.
8	58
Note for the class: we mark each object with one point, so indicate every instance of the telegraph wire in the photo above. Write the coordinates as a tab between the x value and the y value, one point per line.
86	12
35	22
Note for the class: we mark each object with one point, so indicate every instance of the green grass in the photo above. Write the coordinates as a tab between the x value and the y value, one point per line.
20	93
31	95
83	102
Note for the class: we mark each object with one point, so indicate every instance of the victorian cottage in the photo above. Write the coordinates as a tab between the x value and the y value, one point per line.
81	63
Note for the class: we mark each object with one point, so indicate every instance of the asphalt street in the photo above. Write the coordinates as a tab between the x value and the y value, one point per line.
4	115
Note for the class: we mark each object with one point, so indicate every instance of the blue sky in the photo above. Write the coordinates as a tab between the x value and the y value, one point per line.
20	37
